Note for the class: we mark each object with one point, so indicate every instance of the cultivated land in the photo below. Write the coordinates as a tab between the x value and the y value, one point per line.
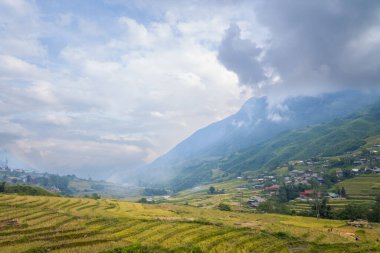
56	224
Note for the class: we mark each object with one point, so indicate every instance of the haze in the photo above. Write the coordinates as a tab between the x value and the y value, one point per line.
93	88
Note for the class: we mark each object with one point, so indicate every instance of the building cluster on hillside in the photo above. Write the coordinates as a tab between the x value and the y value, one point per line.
306	173
21	176
303	177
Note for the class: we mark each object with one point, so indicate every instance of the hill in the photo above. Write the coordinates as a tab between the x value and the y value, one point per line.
363	186
68	185
25	190
258	121
326	139
51	224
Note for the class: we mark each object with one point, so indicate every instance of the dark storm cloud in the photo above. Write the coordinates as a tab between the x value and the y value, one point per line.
314	45
241	56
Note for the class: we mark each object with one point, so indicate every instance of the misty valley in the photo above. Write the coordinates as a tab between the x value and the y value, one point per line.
189	126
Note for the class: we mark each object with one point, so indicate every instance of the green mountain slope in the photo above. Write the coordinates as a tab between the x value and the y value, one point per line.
337	137
25	190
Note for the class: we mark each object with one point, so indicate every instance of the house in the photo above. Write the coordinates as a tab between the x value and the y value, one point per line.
54	189
272	188
254	202
355	171
333	195
339	172
308	194
13	180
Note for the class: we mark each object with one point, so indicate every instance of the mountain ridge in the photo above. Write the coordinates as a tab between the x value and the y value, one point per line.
255	123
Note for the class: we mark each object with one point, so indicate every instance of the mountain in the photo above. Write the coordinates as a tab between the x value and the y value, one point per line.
256	123
327	139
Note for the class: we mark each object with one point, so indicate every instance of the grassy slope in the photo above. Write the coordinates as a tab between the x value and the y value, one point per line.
28	190
327	139
324	140
81	187
362	186
41	224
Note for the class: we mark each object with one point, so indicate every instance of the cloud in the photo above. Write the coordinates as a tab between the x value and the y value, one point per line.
312	47
241	56
104	92
119	85
14	68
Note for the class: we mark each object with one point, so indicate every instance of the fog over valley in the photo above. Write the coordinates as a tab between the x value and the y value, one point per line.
101	89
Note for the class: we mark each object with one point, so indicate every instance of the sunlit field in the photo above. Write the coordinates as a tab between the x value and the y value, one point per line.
54	224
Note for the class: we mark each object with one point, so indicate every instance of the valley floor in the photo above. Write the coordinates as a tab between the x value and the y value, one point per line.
56	224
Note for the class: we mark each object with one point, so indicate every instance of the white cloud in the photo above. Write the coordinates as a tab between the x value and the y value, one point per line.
13	68
114	93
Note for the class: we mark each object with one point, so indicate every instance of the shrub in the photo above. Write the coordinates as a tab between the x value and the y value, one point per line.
224	207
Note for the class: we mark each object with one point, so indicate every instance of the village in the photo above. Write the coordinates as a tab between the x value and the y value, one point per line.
50	182
315	178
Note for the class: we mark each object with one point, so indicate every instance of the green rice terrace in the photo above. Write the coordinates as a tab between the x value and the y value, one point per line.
57	224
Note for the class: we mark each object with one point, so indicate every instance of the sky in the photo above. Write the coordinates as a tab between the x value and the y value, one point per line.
96	87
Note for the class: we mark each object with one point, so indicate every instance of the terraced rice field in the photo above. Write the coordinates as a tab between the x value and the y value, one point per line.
54	224
362	187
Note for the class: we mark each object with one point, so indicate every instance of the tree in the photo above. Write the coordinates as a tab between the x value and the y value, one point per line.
271	206
374	214
347	174
224	207
365	152
95	196
339	191
142	200
211	190
354	211
2	187
325	209
343	192
288	192
154	192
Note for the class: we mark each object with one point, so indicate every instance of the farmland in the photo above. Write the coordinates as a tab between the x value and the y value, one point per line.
365	186
56	224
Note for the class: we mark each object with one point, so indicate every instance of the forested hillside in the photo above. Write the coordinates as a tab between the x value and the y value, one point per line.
336	137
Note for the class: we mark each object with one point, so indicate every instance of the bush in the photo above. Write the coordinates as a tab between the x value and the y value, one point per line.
224	207
27	190
154	192
354	212
282	235
142	200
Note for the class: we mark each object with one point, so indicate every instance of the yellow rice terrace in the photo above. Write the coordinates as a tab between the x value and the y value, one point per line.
56	224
